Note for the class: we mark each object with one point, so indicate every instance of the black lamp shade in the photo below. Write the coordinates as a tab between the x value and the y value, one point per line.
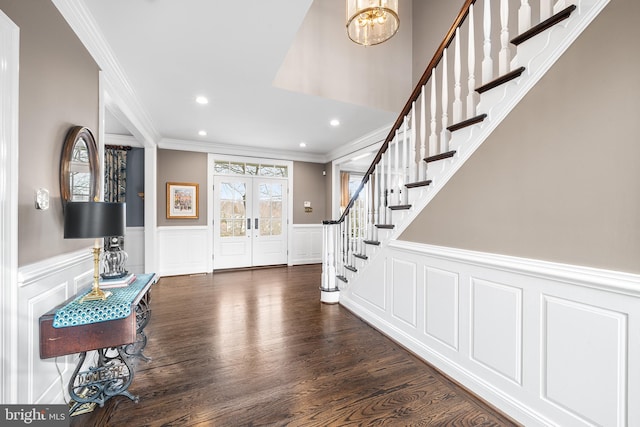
84	220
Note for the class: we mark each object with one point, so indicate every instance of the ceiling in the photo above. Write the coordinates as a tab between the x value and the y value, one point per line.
170	52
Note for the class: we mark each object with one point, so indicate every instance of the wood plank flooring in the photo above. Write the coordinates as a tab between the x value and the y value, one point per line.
257	348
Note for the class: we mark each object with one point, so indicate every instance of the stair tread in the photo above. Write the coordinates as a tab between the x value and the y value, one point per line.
544	25
351	268
385	226
344	279
440	156
501	80
418	184
372	242
466	123
361	256
399	207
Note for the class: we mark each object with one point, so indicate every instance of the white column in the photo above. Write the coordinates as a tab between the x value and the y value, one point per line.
329	292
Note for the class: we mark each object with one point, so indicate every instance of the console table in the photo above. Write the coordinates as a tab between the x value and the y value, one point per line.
113	327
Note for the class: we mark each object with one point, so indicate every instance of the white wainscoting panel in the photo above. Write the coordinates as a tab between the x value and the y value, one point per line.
307	244
404	291
441	306
41	287
496	323
584	348
134	246
549	344
182	250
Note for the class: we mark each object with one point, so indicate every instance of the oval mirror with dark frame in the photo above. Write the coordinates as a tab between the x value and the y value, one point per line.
79	167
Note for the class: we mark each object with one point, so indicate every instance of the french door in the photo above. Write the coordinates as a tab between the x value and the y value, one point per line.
250	221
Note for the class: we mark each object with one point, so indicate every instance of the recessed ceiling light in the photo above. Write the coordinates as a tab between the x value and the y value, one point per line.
303	144
334	122
202	100
202	133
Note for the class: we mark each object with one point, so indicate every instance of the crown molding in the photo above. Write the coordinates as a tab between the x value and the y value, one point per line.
126	140
365	141
120	91
240	150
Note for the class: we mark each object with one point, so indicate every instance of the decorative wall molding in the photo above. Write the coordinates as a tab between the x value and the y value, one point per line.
599	279
134	247
41	270
43	286
523	334
182	250
306	244
9	58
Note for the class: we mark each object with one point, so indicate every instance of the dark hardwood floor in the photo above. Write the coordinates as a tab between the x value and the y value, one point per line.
256	347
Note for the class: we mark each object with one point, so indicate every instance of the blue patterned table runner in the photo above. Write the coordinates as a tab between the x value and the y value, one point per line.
117	306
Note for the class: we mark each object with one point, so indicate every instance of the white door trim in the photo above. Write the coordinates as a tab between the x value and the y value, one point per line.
212	157
9	58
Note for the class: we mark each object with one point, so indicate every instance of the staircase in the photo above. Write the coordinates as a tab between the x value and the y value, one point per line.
426	146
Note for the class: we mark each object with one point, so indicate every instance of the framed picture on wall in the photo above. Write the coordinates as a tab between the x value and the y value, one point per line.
182	200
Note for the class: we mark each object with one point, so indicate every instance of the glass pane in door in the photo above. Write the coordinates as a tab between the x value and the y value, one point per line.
270	209
233	209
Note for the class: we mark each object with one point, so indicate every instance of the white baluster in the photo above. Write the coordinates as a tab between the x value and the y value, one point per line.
389	184
382	214
560	4
376	202
423	135
524	16
433	137
471	64
545	9
413	171
402	180
444	133
487	61
368	209
504	57
457	87
396	170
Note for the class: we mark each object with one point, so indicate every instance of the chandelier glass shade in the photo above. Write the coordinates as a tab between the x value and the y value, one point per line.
371	22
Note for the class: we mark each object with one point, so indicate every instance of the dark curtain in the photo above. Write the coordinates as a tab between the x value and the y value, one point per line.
115	173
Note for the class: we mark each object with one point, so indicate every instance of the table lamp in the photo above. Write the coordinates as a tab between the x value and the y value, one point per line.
94	220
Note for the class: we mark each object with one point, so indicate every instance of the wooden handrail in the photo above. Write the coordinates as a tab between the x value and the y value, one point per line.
437	57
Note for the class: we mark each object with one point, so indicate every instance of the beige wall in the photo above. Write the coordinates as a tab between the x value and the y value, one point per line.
328	211
322	61
182	166
309	185
559	178
431	21
58	90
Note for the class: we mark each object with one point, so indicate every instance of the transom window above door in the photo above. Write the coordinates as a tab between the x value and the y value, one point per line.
222	167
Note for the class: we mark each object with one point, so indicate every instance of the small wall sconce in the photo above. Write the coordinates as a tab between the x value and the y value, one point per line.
42	199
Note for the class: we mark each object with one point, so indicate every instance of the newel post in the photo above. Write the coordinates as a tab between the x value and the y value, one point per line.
329	292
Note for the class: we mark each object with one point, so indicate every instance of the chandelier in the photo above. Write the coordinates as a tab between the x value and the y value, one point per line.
372	22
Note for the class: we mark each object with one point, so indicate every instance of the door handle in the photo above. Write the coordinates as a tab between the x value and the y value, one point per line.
256	224
248	223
